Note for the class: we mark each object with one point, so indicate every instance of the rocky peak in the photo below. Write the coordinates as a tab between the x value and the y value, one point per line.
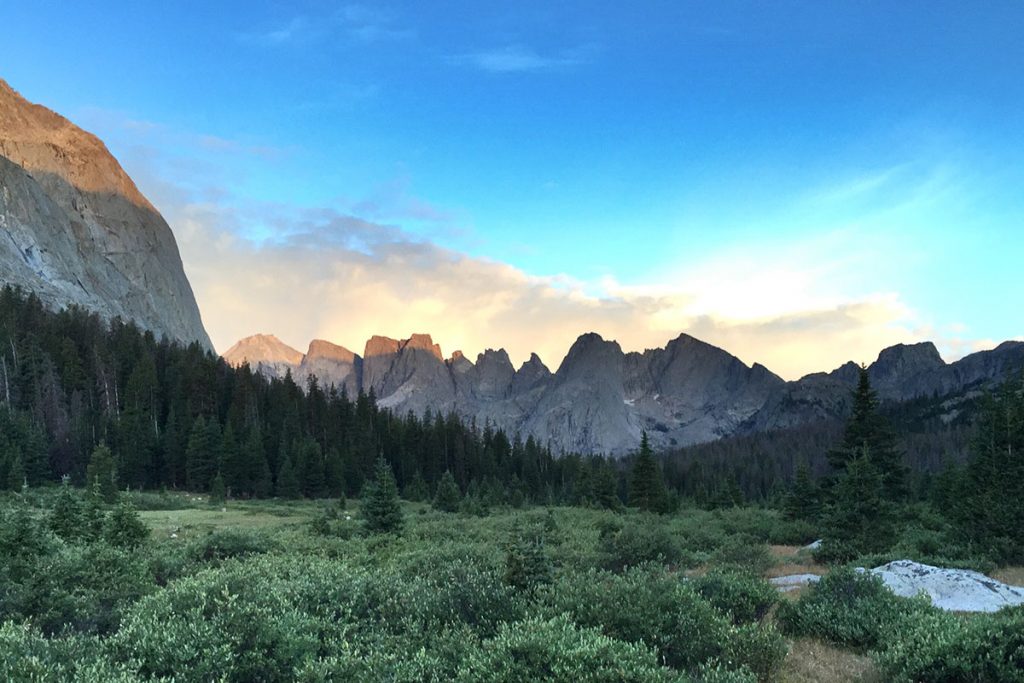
904	360
423	342
262	348
531	374
80	232
321	349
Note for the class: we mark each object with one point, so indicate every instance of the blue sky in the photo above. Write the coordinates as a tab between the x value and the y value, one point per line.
728	168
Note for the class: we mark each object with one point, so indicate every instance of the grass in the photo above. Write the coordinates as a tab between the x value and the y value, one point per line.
1013	576
811	661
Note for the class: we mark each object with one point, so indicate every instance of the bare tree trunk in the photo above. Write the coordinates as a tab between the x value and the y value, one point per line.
7	385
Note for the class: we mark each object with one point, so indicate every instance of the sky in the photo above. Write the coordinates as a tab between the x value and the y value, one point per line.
801	183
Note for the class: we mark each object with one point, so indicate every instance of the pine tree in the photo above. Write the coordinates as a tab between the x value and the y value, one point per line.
860	519
94	514
803	501
234	472
124	528
646	486
527	563
989	506
201	454
604	490
217	493
102	472
288	481
447	497
867	430
65	518
381	508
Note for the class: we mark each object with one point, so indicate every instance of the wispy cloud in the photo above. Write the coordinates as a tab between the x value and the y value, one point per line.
353	23
520	58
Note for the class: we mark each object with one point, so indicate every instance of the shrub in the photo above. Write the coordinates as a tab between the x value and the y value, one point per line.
636	544
744	554
940	647
558	651
745	598
644	604
227	543
851	609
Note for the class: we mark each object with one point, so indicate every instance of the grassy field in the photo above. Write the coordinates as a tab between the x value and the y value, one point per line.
297	591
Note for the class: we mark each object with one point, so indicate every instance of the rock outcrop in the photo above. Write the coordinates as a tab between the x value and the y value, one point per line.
74	229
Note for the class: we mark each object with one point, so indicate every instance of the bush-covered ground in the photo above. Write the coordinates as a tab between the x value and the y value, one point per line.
282	591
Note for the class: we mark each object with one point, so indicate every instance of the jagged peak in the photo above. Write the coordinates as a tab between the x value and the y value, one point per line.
381	346
423	342
534	364
321	348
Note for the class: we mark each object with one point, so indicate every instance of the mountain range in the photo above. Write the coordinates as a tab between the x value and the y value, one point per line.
600	399
74	229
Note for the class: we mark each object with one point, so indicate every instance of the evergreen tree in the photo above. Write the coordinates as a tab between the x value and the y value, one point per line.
604	490
869	431
288	481
65	518
527	563
94	514
102	472
124	528
803	501
989	506
859	520
381	508
646	486
217	493
201	454
263	485
234	472
448	496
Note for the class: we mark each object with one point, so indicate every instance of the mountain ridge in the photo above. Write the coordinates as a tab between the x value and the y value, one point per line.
600	398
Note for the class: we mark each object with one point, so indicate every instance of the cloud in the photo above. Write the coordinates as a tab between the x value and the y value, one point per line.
350	271
355	23
519	58
329	274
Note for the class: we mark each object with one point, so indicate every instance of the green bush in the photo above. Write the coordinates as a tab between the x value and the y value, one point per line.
638	543
851	609
558	651
938	647
25	655
228	543
743	553
745	598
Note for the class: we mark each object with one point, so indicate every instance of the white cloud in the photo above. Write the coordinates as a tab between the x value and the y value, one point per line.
518	58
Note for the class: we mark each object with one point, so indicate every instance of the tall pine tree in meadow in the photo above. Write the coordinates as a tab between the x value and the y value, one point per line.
447	497
646	485
859	519
868	431
288	481
381	508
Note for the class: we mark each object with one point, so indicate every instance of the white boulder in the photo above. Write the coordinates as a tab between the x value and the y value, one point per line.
956	590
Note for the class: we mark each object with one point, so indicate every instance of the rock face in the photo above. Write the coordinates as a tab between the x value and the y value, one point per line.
956	590
74	229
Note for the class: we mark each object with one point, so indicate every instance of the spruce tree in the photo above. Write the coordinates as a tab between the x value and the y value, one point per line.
604	490
124	528
447	497
288	481
102	472
217	492
65	518
860	519
646	486
803	501
867	430
381	508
